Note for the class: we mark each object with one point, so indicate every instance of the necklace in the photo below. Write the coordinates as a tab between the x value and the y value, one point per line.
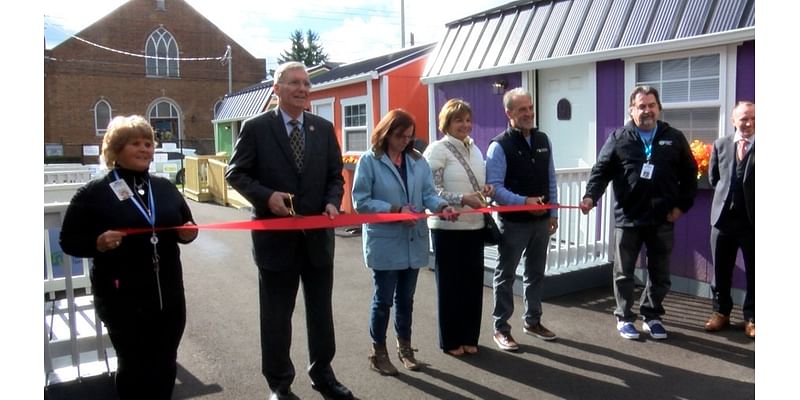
139	187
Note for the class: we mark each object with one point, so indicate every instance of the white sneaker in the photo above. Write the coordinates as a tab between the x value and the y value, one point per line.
655	328
627	330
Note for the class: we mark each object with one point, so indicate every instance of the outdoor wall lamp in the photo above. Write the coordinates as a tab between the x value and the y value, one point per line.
499	87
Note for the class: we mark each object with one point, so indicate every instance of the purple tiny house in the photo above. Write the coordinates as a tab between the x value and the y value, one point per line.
587	56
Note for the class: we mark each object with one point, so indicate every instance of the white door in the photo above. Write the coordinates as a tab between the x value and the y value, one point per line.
573	138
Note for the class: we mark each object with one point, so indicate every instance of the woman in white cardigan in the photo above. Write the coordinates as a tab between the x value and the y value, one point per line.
458	245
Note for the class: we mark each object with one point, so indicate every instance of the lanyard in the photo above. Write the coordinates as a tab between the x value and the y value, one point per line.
648	144
150	215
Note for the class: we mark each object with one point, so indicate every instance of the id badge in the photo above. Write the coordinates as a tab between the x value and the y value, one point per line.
121	189
647	171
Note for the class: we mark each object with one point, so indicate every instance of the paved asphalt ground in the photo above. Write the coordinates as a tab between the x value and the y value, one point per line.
220	357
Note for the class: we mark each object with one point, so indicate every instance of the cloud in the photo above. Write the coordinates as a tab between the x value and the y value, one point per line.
349	29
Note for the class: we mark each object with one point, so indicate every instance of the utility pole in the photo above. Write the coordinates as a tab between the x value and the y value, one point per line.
403	24
230	72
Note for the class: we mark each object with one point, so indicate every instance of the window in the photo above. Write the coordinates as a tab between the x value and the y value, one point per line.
323	108
102	116
691	93
165	117
161	50
217	108
354	122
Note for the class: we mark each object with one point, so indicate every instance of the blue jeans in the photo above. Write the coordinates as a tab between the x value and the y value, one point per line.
532	239
398	287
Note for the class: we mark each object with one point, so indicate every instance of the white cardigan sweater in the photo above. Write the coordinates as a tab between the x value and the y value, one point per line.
451	180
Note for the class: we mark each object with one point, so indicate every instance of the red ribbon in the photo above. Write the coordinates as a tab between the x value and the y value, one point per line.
323	221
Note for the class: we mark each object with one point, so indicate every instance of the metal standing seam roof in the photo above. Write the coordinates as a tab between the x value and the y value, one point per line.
245	103
525	32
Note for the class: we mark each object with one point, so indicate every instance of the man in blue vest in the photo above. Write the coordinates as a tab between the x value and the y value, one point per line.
732	172
655	182
519	164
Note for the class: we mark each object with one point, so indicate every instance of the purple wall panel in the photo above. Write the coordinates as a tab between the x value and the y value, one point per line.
746	71
488	117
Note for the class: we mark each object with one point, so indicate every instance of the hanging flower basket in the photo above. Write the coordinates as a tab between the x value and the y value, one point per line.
702	155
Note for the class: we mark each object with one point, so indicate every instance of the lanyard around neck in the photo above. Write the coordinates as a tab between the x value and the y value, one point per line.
648	144
150	215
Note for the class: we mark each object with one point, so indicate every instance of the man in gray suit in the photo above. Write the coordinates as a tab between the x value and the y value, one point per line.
732	172
288	161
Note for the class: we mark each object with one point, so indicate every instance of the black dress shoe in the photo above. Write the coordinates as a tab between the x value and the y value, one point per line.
283	395
333	390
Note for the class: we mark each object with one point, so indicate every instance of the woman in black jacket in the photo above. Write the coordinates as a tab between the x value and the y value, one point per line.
137	280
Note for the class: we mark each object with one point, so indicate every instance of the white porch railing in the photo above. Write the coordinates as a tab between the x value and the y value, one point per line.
76	344
581	241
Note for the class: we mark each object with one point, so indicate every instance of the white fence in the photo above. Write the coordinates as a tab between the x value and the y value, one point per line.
75	342
581	241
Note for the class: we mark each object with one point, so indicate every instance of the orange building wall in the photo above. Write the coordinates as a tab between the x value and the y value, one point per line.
406	91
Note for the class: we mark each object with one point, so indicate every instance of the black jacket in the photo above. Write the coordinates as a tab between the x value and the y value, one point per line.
639	201
123	279
262	163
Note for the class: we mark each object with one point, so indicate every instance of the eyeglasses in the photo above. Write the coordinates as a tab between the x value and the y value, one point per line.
404	137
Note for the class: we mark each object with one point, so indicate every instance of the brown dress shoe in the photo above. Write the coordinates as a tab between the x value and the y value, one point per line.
717	322
750	329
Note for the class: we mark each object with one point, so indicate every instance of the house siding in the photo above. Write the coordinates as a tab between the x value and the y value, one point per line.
488	115
691	256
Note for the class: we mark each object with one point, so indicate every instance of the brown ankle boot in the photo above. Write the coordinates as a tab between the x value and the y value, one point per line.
406	355
379	360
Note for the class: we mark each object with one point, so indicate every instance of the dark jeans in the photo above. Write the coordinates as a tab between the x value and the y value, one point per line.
277	295
658	240
459	284
393	286
529	238
727	238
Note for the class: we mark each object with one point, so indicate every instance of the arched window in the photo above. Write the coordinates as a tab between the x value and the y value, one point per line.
161	44
165	118
102	116
564	110
217	108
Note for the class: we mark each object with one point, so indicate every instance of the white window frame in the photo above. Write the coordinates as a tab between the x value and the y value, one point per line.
101	130
315	104
727	69
353	101
171	51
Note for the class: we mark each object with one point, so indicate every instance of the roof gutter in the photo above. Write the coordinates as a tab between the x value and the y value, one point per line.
346	81
695	42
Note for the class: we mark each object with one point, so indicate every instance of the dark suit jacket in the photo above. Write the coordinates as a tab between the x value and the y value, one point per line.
262	163
720	169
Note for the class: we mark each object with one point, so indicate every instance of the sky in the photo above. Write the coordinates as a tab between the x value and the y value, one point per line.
349	30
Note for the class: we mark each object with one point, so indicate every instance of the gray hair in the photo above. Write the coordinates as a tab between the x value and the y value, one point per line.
285	67
508	98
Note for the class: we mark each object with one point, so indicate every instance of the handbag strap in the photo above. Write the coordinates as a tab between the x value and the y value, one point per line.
460	158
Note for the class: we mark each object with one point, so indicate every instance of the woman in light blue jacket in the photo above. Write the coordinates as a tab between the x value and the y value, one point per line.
393	177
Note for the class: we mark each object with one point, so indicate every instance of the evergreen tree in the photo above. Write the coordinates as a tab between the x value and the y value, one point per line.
307	50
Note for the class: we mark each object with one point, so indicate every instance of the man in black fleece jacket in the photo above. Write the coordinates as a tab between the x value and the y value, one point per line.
655	182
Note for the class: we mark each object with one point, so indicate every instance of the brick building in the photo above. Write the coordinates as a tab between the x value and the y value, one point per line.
112	68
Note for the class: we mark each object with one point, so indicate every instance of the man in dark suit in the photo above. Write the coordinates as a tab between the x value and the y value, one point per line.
732	172
288	160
